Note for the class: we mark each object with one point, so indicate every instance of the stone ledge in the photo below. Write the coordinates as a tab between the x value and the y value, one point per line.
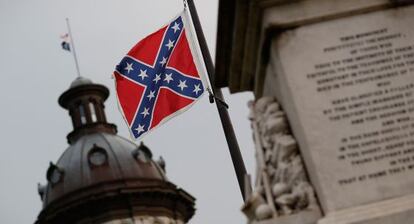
305	217
393	211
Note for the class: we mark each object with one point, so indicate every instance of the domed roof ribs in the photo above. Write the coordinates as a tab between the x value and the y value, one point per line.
121	173
82	167
161	170
102	176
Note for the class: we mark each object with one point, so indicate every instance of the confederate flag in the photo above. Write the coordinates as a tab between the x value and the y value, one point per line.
158	78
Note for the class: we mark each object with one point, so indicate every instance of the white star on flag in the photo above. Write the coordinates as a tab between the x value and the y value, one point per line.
157	78
176	27
140	128
182	85
168	78
129	67
170	44
164	60
196	89
145	112
143	74
151	95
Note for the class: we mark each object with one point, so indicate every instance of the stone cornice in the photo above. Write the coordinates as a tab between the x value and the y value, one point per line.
244	27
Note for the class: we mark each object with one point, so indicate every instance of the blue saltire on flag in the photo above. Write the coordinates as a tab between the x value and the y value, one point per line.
160	77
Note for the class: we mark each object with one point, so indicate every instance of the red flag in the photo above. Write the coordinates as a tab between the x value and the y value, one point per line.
158	78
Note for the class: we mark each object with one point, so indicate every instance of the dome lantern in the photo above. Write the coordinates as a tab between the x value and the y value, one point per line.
85	102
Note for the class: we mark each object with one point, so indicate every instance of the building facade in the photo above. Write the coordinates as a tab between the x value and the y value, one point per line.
104	178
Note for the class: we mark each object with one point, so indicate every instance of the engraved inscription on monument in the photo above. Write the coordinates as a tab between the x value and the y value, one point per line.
373	59
354	96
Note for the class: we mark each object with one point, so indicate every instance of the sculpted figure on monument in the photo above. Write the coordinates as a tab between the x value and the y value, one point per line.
282	184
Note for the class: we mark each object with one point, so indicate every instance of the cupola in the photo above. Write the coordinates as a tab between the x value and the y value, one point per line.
105	178
85	102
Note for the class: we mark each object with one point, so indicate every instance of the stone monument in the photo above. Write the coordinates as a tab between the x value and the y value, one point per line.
333	119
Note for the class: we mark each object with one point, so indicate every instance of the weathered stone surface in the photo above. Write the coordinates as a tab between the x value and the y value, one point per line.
263	211
282	187
254	201
347	86
394	211
305	217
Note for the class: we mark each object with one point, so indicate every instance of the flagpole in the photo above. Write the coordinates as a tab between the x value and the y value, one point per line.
72	44
234	149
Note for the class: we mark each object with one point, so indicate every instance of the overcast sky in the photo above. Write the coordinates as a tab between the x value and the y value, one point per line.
35	71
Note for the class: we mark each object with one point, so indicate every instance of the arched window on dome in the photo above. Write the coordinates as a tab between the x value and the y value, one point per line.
82	114
93	112
97	157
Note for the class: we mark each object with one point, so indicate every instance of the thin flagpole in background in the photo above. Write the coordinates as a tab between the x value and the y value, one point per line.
234	149
72	44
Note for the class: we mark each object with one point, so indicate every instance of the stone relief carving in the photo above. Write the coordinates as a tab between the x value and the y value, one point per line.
282	187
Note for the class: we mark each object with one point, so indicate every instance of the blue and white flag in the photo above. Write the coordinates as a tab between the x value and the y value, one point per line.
65	42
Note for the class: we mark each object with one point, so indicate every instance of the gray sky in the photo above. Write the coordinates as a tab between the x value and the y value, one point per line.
35	71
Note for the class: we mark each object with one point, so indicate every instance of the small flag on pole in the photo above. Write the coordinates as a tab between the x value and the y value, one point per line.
159	78
65	42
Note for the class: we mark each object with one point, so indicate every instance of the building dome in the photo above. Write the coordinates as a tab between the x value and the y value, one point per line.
98	158
102	177
80	81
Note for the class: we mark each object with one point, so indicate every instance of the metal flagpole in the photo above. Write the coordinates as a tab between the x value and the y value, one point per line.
221	105
73	47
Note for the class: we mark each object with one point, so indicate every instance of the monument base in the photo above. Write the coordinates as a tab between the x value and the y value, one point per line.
304	217
394	211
